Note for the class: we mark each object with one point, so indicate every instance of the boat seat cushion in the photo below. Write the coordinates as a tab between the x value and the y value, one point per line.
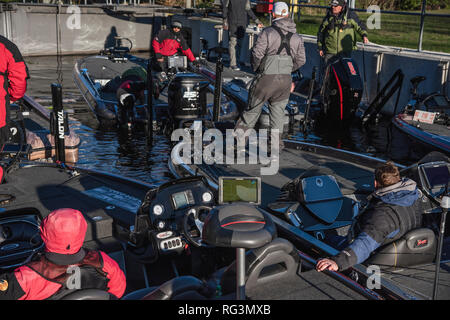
238	226
272	262
416	247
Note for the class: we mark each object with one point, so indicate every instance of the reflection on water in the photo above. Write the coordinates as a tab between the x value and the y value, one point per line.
109	151
130	156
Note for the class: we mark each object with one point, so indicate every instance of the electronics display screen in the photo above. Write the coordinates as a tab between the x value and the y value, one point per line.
180	200
437	176
233	189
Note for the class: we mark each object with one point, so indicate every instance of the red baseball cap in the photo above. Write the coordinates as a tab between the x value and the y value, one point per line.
63	231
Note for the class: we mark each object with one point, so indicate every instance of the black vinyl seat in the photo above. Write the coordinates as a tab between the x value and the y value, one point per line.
240	226
416	247
184	287
272	262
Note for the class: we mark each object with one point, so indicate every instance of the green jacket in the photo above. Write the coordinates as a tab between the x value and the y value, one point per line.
338	33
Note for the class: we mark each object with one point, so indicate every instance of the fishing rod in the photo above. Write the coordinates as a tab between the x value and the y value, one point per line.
305	122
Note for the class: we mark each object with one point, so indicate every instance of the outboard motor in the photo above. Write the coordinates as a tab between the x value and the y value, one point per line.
342	91
187	97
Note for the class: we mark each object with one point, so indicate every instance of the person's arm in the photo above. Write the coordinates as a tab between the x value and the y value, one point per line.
251	14
299	56
225	4
156	45
17	72
374	231
321	36
259	49
117	282
186	50
359	26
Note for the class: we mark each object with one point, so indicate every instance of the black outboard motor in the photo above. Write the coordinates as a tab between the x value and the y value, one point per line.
187	97
342	91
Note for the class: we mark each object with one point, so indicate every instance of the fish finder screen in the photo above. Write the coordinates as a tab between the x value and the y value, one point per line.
437	176
240	190
180	200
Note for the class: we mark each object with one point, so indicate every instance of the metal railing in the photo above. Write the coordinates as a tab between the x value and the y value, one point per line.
301	4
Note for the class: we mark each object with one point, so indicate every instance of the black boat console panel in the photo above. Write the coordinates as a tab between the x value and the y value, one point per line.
161	214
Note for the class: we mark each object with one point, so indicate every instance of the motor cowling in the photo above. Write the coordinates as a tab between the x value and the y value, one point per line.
187	96
343	91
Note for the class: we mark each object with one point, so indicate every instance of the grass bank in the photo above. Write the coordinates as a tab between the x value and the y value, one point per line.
395	30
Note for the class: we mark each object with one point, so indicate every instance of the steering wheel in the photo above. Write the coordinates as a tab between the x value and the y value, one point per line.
198	224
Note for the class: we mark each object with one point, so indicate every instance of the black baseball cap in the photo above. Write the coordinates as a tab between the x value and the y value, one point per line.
335	3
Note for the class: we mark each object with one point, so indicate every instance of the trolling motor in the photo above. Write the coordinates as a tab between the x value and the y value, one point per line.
59	123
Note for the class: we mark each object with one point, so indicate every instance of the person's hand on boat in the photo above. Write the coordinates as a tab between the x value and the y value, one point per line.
326	264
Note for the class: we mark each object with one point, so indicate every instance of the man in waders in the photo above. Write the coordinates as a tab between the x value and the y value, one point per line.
278	52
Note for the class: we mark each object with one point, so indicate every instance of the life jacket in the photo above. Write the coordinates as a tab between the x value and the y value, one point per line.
277	63
4	117
91	274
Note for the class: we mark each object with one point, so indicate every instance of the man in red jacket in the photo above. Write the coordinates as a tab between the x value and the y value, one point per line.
13	82
167	43
65	266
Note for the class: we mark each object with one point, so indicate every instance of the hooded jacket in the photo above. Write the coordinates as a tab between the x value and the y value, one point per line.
13	81
338	33
269	41
392	212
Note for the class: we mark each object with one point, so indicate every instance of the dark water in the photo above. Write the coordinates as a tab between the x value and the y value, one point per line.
107	150
104	150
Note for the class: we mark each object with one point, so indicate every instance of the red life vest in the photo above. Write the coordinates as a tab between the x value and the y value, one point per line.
90	272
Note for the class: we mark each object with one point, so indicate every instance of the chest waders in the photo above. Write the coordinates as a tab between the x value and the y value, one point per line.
276	64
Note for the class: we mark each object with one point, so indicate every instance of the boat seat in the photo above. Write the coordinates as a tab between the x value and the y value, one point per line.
241	226
88	294
184	287
238	226
416	247
274	261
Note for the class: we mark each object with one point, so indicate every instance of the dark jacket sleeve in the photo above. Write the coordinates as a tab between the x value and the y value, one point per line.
225	4
321	34
376	227
186	50
358	25
10	288
250	12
